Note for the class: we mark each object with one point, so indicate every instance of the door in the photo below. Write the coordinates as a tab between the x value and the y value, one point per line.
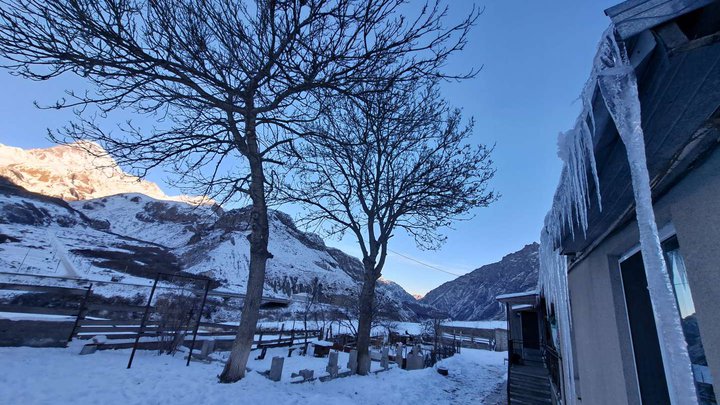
530	330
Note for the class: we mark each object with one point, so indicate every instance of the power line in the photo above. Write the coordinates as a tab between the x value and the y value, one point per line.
425	264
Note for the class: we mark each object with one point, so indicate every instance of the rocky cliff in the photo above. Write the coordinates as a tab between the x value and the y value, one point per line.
471	297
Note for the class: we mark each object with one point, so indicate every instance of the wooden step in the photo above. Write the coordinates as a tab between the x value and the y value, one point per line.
542	392
530	380
526	401
540	374
521	397
530	387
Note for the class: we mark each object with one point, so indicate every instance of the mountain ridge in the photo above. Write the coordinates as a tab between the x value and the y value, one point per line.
131	235
471	297
77	171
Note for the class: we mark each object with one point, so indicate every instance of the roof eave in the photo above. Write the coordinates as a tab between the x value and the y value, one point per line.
635	16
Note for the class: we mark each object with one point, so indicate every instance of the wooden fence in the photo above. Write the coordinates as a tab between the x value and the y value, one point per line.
120	324
121	334
475	338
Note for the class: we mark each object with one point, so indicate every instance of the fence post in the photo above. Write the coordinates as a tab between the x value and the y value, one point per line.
197	325
81	312
141	331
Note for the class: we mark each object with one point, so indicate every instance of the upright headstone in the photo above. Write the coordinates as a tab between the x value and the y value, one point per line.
385	358
415	359
332	367
276	368
399	354
208	348
352	361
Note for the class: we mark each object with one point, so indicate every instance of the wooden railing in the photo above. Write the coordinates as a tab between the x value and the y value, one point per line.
121	323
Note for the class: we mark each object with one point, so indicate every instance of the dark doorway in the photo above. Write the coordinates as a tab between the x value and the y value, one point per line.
648	359
530	330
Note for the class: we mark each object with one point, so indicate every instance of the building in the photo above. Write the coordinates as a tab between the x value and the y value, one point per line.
621	341
533	367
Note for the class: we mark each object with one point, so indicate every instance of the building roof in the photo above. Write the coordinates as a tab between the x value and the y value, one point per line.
635	16
526	297
679	89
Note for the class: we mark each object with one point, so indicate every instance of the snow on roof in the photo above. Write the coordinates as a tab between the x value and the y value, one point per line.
517	295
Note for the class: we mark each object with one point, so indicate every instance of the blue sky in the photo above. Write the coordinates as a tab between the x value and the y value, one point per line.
536	56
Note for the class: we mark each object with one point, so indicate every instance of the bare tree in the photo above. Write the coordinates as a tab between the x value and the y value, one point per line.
384	312
226	80
397	160
312	301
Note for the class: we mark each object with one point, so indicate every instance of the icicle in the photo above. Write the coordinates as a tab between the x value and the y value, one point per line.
553	279
615	76
618	87
569	209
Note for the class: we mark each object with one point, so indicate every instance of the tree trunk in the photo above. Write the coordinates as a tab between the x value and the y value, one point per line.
366	303
235	367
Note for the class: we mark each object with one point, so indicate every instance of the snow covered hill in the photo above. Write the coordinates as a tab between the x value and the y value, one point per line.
77	171
130	236
471	297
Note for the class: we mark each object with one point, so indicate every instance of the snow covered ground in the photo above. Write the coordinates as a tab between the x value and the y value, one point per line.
60	376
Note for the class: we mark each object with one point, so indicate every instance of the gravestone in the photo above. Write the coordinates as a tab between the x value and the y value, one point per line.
415	359
276	368
332	367
352	361
88	349
399	354
208	347
306	375
385	358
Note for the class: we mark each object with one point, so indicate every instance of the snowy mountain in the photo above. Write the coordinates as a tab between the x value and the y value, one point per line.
72	172
129	237
471	297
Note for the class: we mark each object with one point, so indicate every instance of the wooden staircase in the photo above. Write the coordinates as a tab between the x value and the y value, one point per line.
529	383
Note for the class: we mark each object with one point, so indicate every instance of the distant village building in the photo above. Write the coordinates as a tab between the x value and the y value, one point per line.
597	314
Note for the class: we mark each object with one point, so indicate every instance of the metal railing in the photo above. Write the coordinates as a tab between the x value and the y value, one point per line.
552	361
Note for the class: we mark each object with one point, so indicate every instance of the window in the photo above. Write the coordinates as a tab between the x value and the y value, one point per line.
646	347
691	330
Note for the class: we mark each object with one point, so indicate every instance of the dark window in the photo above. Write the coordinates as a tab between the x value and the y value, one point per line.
648	359
691	329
